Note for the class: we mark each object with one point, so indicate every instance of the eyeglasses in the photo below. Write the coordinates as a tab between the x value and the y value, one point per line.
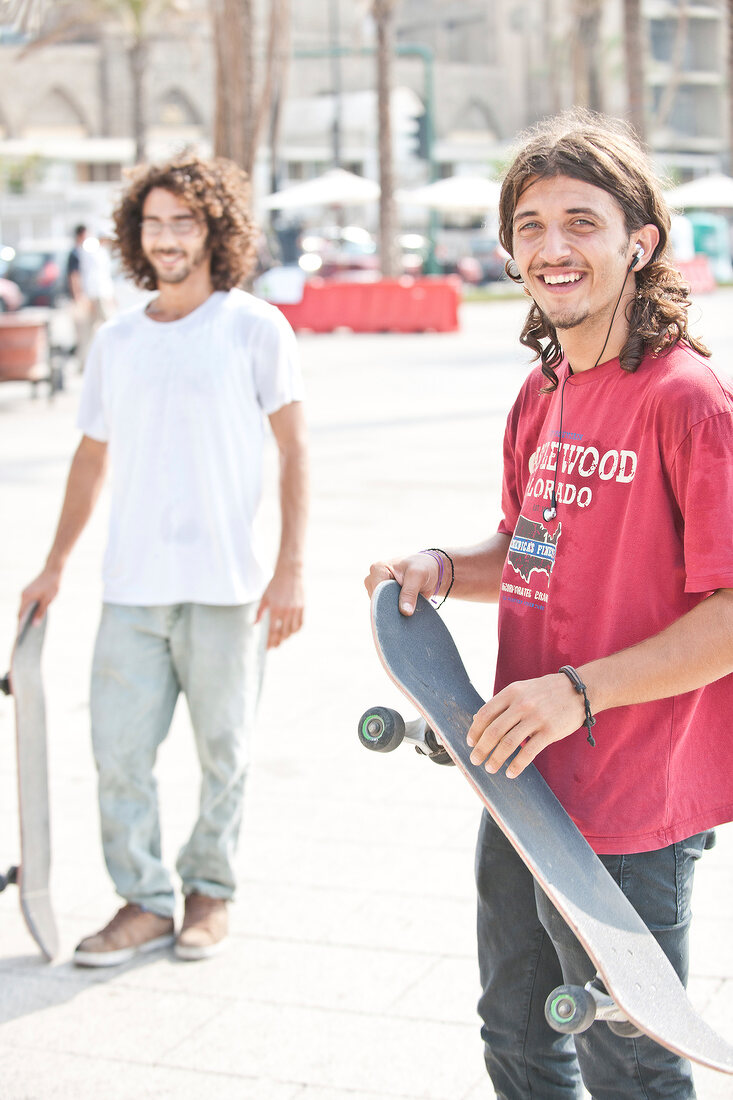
179	227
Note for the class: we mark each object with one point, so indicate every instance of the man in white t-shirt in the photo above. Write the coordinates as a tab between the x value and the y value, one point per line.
174	400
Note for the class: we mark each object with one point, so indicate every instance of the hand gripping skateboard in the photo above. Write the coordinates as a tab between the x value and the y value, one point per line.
23	682
636	988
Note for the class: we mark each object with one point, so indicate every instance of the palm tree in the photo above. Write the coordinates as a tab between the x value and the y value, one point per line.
634	58
730	86
383	15
586	54
281	70
242	108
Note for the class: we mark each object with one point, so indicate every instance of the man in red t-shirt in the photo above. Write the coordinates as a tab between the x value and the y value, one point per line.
613	569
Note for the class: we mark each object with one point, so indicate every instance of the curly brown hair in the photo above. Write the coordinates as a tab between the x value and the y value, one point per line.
217	190
604	152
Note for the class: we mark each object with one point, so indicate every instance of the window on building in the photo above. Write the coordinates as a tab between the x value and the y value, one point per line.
700	49
695	111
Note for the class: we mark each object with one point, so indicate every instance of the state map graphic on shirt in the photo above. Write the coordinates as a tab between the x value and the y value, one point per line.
532	549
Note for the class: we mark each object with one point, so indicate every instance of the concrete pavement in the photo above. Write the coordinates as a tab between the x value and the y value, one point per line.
351	974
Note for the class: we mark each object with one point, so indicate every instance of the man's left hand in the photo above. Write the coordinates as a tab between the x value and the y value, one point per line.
531	713
284	599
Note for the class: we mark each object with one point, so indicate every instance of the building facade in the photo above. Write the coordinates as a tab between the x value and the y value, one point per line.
481	69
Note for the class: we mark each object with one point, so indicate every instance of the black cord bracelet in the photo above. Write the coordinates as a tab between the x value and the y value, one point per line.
449	559
579	686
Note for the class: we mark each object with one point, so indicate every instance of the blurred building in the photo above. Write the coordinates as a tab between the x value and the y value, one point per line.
470	72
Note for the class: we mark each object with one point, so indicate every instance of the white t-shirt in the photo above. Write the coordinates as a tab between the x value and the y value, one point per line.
96	274
181	406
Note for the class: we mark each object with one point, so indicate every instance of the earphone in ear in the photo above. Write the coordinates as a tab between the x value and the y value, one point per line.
638	253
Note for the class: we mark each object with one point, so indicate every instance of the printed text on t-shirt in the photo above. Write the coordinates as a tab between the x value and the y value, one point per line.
571	460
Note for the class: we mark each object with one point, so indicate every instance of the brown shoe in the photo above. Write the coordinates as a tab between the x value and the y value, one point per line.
132	931
205	927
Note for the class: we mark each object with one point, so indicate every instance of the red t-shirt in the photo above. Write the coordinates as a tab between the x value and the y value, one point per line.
644	532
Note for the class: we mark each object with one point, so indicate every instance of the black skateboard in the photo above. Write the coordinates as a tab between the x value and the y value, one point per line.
636	988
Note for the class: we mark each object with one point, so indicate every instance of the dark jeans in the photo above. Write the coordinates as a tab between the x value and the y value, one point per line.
526	949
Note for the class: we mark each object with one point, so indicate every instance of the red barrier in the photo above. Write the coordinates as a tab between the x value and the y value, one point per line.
388	305
698	273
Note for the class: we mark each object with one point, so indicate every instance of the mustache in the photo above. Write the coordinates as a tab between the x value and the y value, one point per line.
543	268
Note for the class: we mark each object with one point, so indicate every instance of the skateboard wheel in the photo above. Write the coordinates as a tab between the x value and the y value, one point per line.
9	879
381	729
625	1028
570	1009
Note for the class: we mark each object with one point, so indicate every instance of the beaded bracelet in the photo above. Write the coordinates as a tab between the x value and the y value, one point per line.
579	686
436	553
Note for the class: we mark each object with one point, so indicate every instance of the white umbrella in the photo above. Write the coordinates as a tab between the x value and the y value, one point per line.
707	193
459	193
334	188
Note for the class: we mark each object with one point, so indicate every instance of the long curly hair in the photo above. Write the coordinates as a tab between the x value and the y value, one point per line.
216	190
602	151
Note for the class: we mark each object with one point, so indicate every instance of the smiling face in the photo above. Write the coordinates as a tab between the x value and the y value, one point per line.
172	237
573	250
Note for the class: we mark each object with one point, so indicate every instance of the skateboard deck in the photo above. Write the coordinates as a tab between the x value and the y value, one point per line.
421	658
24	683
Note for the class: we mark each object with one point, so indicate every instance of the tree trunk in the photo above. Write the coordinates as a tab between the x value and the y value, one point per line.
137	56
587	54
383	18
233	50
730	86
281	71
240	110
634	60
556	46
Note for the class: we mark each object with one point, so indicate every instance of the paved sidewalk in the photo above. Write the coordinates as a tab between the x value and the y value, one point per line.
351	974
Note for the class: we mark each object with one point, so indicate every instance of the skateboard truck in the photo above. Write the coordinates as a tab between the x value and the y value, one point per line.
383	730
571	1009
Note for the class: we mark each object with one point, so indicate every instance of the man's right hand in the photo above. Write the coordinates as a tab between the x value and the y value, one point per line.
416	575
42	591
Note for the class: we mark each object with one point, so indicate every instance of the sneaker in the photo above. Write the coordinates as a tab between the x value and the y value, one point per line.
205	927
132	931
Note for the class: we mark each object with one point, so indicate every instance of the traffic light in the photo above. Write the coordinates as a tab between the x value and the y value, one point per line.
423	138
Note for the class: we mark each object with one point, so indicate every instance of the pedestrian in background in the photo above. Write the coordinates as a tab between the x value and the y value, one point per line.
175	396
96	276
75	287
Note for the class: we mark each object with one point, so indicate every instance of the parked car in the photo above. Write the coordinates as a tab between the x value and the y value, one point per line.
7	252
414	250
485	260
335	250
11	296
40	271
351	250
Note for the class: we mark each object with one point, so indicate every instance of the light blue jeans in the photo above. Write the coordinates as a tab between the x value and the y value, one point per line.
144	658
526	949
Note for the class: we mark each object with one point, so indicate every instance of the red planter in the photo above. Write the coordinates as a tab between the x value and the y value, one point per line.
23	346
